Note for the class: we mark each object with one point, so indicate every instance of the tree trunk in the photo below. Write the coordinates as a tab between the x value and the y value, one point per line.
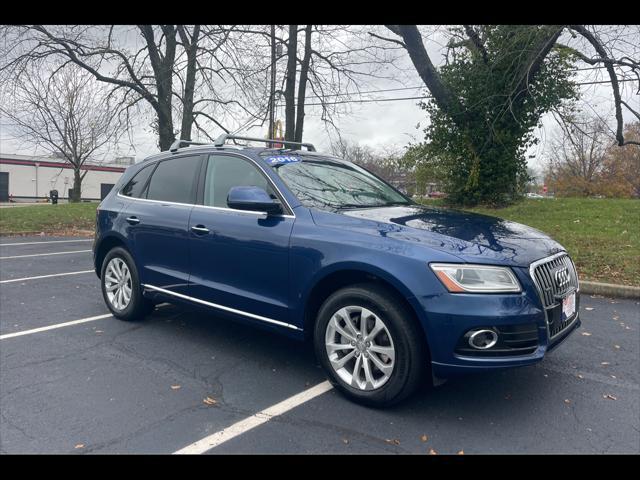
427	71
163	72
165	130
290	84
76	194
190	81
302	87
272	86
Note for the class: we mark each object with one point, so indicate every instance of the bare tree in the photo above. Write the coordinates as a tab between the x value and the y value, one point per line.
191	76
68	115
331	65
579	150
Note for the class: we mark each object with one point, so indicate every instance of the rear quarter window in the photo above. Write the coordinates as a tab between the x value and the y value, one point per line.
136	185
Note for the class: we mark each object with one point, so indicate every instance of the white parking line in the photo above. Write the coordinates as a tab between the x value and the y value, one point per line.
48	241
218	438
44	254
53	327
45	276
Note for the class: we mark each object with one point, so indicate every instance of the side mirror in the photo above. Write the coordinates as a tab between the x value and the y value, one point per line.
252	198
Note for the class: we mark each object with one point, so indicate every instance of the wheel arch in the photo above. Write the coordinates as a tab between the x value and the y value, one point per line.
343	275
106	244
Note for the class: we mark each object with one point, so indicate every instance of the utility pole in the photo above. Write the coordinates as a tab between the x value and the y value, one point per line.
272	95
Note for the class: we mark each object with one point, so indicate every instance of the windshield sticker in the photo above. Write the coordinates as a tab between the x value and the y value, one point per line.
281	159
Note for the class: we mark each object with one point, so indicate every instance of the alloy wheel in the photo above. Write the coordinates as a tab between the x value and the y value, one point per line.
117	283
360	348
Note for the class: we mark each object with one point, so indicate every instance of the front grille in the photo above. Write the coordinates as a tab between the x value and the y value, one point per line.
549	278
556	278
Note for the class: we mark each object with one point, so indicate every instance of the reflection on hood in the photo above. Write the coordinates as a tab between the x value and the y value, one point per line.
468	235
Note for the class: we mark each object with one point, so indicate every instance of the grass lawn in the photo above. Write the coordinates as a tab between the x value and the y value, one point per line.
601	235
61	219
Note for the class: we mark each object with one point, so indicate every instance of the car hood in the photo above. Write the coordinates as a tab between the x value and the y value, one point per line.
472	237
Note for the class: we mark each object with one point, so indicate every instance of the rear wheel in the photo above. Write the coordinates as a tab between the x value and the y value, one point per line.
369	345
121	286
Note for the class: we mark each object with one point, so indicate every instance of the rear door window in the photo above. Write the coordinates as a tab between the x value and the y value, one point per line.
174	180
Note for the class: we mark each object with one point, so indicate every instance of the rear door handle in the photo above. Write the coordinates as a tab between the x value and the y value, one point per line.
200	230
133	220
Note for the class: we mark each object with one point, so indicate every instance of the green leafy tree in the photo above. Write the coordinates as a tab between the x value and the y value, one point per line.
477	148
496	84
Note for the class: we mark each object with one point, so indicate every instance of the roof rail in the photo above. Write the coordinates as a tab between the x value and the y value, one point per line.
220	141
179	143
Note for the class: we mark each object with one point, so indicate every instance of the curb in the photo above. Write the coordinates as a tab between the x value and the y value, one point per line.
609	290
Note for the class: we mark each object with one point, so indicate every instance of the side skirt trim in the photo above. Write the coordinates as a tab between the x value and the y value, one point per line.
222	307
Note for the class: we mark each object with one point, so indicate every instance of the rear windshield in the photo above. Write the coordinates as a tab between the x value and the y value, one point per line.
330	184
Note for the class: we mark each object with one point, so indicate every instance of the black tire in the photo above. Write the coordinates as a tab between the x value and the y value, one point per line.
411	357
138	307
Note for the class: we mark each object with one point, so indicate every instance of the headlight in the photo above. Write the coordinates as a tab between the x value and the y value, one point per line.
476	278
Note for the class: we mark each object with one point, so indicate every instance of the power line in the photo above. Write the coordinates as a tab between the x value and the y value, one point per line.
416	87
373	100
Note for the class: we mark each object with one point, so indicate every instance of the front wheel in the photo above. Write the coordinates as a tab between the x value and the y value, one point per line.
121	286
369	345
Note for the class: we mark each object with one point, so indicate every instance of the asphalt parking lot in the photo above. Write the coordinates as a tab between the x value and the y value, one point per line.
179	376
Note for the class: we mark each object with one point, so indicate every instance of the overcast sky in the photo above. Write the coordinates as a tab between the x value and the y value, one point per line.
384	124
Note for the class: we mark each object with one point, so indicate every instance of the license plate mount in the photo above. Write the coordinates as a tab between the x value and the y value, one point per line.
568	306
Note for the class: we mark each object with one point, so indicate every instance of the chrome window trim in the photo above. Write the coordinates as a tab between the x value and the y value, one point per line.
222	307
232	210
245	212
532	268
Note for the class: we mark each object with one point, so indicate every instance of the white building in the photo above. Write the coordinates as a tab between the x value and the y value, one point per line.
25	178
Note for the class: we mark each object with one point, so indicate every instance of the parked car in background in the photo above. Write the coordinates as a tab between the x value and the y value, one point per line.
437	194
392	293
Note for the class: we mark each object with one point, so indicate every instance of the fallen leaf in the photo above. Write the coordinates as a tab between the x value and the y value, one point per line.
432	452
210	401
175	387
461	452
610	397
586	334
424	438
80	445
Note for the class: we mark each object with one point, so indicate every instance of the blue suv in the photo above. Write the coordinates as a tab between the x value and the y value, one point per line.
317	247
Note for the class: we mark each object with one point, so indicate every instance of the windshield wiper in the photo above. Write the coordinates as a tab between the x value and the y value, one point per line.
376	205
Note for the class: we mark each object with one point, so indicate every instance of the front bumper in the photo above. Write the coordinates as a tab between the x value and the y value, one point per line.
463	365
448	317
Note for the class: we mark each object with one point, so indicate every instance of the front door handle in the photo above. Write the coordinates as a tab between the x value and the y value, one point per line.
200	230
133	220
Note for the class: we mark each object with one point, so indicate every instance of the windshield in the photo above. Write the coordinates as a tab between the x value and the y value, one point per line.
336	185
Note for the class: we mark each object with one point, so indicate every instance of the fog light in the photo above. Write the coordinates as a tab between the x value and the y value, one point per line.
483	339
